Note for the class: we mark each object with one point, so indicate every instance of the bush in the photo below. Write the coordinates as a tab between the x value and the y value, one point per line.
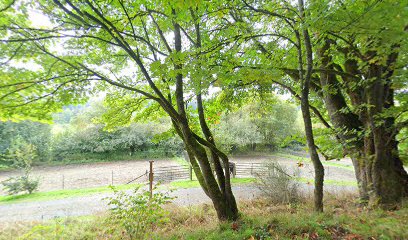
22	155
277	185
15	185
136	212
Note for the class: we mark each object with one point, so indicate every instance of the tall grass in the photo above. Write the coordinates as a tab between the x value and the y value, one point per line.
342	219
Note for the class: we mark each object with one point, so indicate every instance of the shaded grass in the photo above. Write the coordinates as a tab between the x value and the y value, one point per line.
260	219
4	167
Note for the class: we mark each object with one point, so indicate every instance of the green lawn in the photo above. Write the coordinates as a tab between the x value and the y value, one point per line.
59	194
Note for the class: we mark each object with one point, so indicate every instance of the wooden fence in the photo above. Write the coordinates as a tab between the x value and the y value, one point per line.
171	173
249	169
177	172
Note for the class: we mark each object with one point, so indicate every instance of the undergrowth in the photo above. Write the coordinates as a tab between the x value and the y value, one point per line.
342	219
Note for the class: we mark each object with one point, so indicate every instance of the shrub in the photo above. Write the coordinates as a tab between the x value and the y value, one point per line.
136	212
22	155
277	185
15	185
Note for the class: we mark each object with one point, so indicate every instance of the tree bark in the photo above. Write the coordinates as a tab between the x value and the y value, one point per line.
305	84
370	143
219	192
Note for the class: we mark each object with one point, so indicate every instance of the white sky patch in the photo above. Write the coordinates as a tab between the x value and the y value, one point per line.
29	65
38	19
212	91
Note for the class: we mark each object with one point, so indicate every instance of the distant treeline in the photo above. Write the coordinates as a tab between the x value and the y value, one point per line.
79	135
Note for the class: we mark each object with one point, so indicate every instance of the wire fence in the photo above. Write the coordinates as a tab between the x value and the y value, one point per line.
163	174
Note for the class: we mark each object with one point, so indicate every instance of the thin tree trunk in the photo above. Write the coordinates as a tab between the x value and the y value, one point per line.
305	83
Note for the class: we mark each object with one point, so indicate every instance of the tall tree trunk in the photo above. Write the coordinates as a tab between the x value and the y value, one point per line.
305	84
370	143
388	184
224	203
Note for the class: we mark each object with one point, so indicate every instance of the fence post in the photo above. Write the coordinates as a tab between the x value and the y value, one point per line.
190	171
63	181
252	166
234	171
151	179
112	178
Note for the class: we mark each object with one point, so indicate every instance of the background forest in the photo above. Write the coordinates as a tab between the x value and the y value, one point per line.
78	134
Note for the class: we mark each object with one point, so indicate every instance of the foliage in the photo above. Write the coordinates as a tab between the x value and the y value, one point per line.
137	213
82	136
271	123
22	155
16	185
35	133
403	145
277	185
152	58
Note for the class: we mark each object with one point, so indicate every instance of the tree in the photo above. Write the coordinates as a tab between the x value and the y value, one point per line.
131	49
364	111
22	155
261	120
37	134
273	49
305	79
358	70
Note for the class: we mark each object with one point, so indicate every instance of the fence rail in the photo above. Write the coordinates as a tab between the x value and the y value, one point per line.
171	173
143	175
249	169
